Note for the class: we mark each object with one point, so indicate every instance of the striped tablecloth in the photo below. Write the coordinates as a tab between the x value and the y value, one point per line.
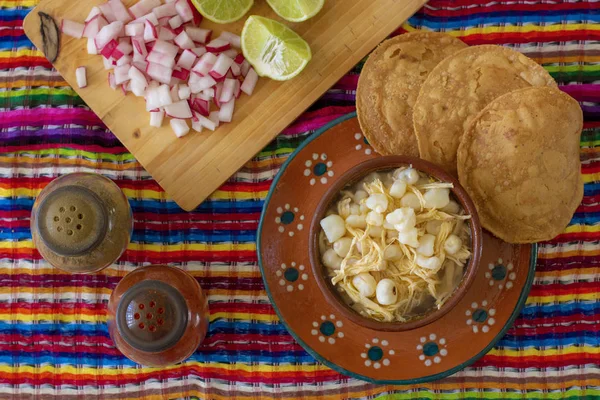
53	335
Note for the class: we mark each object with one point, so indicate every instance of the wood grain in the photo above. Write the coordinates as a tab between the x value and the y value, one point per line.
191	168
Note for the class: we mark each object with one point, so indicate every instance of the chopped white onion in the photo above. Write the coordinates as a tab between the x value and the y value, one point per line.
80	75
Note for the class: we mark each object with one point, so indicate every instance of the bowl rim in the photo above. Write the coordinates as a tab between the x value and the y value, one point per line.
359	171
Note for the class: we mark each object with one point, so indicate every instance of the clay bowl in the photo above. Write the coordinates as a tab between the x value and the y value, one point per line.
358	172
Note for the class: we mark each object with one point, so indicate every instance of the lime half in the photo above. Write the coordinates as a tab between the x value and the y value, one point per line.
296	10
223	11
273	49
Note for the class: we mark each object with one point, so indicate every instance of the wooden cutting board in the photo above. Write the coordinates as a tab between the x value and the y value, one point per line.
191	168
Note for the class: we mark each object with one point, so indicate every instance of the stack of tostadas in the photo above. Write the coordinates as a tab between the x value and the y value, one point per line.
488	114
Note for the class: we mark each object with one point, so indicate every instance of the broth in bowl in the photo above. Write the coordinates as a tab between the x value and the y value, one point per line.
395	244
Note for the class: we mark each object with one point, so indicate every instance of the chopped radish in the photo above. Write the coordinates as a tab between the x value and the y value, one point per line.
245	67
93	26
150	32
166	10
156	118
93	12
198	35
107	12
91	46
237	91
150	17
209	93
182	74
218	92
110	47
228	90
120	11
136	75
80	75
197	17
184	92
141	65
236	70
214	117
231	53
175	22
72	28
124	60
122	74
157	97
239	59
232	38
217	46
165	48
111	81
199	51
226	111
125	88
139	47
134	29
159	72
207	123
175	93
249	82
160	58
107	63
184	10
196	125
164	21
205	64
221	66
180	127
186	59
143	7
165	33
184	41
123	49
201	106
108	33
202	83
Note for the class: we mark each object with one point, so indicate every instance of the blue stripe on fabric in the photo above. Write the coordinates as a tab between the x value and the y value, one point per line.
560	310
12	42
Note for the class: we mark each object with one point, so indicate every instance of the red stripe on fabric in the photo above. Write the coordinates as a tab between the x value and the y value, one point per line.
529	37
469	8
552	289
24	62
184	226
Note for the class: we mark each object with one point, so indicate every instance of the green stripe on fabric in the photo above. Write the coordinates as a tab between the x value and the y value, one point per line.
38	97
74	153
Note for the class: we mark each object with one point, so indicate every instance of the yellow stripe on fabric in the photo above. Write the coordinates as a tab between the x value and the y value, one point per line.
28	244
21	53
548	352
19	3
106	291
91	317
252	272
562	298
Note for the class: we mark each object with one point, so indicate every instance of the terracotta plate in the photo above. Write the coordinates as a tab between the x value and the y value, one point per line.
424	354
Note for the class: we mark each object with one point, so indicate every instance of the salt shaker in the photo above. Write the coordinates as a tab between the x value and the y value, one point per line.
158	315
81	222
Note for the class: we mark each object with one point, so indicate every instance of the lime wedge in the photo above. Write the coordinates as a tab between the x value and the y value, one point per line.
223	11
273	49
296	10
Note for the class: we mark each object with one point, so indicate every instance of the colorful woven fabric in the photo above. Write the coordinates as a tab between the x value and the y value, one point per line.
53	335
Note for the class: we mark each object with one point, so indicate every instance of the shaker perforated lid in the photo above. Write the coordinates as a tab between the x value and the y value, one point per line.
72	220
152	316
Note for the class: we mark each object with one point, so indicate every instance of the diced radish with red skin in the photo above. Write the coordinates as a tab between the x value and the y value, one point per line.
221	66
202	96
157	97
150	17
136	75
166	48
231	53
93	26
209	93
160	58
207	123
239	59
196	125
245	67
166	10
217	46
180	127
159	72
123	49
186	59
107	12
214	117
125	88
226	111
184	10
93	12
250	82
141	65
183	74
228	90
91	47
218	92
175	22
107	63
197	17
205	82
134	29
139	46
164	21
184	41
150	32
201	106
175	93
184	92
199	51
198	35
236	70
143	7
111	81
179	110
150	45
72	28
166	33
108	33
232	38
156	118
138	88
124	60
108	50
122	74
205	64
80	75
120	11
